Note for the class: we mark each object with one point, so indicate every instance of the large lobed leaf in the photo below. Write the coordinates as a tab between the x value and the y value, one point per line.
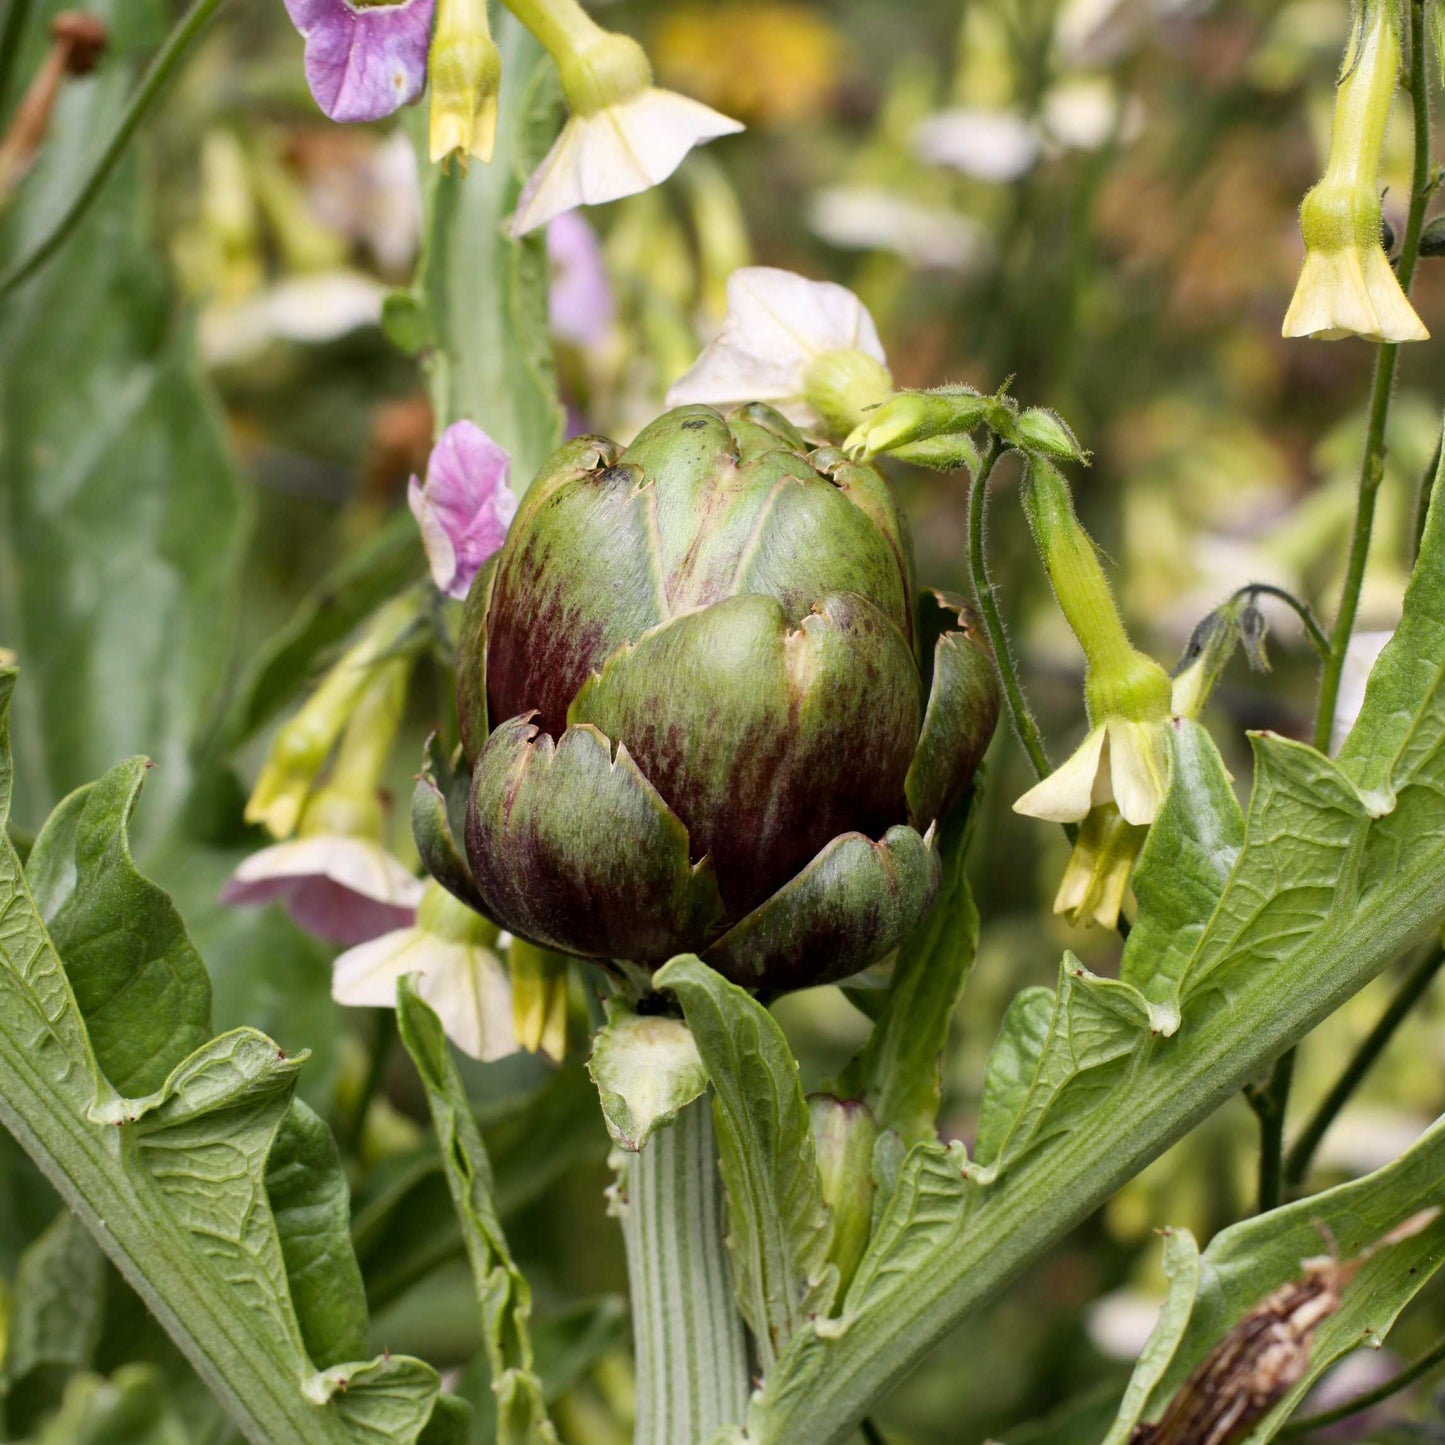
1247	937
120	517
1211	1293
173	1183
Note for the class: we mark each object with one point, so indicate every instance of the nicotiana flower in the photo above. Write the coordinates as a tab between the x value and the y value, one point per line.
1120	762
342	888
364	62
870	218
990	145
809	348
580	306
623	135
462	977
464	507
1114	783
1347	286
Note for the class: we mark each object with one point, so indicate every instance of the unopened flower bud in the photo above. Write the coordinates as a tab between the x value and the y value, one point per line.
844	1134
1041	430
465	71
912	417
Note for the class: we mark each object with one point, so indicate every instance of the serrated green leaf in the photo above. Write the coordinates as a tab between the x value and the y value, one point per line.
778	1225
898	1072
1187	858
1012	1063
1340	869
311	1203
1181	1269
140	985
1245	1262
503	1296
171	1185
482	295
646	1068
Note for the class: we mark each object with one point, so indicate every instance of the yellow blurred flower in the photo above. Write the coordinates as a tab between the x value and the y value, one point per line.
762	62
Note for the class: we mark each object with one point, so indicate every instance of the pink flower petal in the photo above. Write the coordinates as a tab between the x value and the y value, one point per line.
580	302
465	506
363	64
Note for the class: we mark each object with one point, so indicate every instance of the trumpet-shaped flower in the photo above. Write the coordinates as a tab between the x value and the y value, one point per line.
1097	876
1120	762
464	507
462	977
808	348
466	72
341	888
364	61
1347	286
624	135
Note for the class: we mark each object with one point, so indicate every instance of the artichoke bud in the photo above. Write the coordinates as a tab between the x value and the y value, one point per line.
706	710
844	1134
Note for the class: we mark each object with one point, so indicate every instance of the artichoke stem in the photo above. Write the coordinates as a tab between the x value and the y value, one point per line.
692	1362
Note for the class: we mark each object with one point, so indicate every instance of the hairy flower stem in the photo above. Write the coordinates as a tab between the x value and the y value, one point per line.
1020	716
152	84
1417	981
1272	1102
692	1363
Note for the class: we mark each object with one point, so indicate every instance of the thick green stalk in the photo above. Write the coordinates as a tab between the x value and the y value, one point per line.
1272	1102
152	84
692	1362
1419	979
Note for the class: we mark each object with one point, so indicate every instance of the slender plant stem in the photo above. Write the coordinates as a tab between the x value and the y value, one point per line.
1018	708
1372	467
382	1043
152	84
1318	638
692	1363
17	19
1392	1386
1272	1103
1302	1152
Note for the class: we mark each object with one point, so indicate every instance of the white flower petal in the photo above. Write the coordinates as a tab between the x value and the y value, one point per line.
617	151
435	541
1067	794
990	145
365	976
777	323
873	219
1136	768
472	996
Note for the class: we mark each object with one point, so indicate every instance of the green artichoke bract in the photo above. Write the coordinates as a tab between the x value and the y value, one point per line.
724	721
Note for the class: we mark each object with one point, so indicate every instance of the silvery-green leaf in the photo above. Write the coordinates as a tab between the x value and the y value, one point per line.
646	1067
778	1225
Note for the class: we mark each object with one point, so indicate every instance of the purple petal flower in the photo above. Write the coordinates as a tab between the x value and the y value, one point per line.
362	64
344	890
580	301
465	507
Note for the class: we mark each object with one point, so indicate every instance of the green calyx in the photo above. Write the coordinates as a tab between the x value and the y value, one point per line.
705	709
597	67
843	386
447	917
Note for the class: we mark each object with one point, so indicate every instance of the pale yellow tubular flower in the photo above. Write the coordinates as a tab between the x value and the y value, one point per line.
465	73
1347	286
